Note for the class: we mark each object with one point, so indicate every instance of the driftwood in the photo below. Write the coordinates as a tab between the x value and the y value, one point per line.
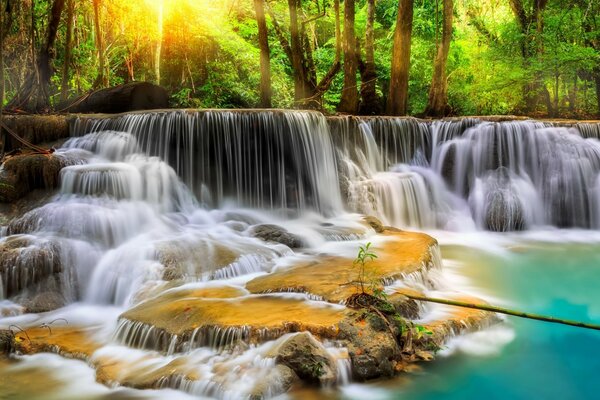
132	96
486	307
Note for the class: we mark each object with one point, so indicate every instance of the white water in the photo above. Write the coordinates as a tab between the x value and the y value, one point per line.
164	193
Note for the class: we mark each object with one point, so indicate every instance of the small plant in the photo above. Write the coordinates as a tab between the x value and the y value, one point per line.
420	330
364	255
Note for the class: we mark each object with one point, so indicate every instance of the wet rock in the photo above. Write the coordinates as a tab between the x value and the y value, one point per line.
44	302
36	129
374	223
277	234
504	212
373	352
24	173
501	207
171	320
277	381
7	342
25	261
307	358
333	278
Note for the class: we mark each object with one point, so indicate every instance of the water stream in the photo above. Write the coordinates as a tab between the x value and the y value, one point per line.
175	196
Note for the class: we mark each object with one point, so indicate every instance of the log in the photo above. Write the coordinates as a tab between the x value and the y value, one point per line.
132	96
499	310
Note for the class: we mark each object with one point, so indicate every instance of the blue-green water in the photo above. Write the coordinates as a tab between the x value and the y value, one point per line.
545	361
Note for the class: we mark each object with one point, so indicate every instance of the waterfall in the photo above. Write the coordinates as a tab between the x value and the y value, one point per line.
408	172
268	160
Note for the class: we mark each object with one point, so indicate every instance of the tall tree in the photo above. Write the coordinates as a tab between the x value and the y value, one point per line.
68	48
157	55
531	24
302	85
102	77
437	105
265	55
2	86
34	93
370	103
349	100
397	102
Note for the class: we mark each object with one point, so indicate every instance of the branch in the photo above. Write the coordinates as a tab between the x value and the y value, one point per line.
485	307
285	44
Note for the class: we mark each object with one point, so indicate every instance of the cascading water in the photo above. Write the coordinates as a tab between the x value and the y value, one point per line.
171	198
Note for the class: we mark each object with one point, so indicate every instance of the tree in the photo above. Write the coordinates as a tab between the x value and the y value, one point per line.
370	102
437	105
102	77
349	100
68	48
303	87
531	24
397	102
159	40
265	55
34	94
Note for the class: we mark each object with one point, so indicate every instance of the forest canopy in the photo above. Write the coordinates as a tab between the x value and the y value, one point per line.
415	57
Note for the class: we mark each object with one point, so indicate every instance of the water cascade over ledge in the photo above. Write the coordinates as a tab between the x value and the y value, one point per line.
176	227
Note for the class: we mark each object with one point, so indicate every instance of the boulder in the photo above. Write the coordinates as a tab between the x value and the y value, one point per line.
374	223
278	234
133	96
373	351
304	355
26	172
7	342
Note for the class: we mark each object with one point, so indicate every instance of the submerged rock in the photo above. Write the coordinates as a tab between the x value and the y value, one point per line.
307	358
277	234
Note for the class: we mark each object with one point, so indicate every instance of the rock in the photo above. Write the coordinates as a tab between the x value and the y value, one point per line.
35	129
278	234
7	342
132	96
278	380
24	173
374	223
373	352
307	358
45	301
25	262
332	278
496	201
222	319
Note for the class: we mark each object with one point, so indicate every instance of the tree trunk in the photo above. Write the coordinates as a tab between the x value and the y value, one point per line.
531	26
437	105
597	81
302	90
327	79
102	78
397	103
2	18
157	56
265	55
349	101
34	94
68	45
370	103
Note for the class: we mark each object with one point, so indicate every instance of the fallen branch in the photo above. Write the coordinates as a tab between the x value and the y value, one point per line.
486	307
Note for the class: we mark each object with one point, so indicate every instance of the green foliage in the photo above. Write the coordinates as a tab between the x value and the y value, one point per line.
210	55
364	255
